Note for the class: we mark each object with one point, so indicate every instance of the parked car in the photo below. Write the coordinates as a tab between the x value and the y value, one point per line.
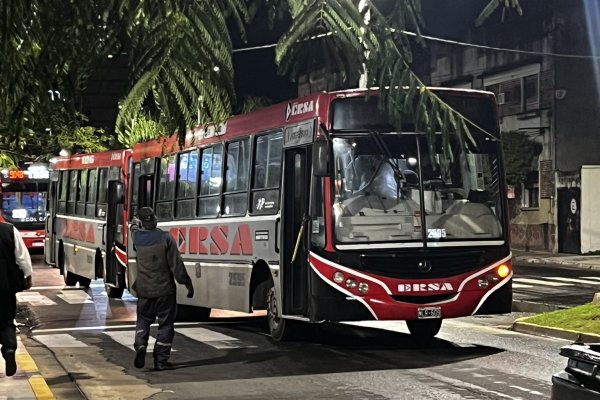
580	380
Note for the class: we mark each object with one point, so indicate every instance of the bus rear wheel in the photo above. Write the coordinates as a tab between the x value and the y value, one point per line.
187	313
278	327
113	292
84	282
70	278
424	329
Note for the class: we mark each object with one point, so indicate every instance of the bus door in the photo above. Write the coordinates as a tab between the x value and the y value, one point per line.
294	224
114	233
50	235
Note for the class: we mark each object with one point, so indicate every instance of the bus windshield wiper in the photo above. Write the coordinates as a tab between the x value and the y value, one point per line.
386	151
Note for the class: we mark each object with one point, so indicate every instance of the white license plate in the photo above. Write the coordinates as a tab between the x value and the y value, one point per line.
38	244
429	312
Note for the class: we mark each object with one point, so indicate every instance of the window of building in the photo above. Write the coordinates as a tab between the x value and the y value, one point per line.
267	173
517	91
210	181
530	190
235	191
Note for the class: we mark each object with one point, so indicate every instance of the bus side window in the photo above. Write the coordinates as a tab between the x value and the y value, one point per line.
135	190
73	191
63	191
166	187
211	164
235	192
102	204
267	174
81	192
92	192
186	185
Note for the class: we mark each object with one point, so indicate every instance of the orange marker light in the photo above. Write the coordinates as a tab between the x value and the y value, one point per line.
503	271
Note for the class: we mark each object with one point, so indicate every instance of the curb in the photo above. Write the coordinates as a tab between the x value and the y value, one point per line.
534	307
36	380
573	336
557	260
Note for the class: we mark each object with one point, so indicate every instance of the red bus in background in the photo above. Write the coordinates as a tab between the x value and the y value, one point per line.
85	233
318	209
23	198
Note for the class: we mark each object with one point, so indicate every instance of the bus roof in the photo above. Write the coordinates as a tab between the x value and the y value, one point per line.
93	160
269	118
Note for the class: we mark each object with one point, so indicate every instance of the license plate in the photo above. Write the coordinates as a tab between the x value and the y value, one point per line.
37	244
429	312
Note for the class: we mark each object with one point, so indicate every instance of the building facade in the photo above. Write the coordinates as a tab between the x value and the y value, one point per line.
548	95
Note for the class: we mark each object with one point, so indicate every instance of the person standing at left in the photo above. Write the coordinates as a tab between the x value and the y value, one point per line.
15	276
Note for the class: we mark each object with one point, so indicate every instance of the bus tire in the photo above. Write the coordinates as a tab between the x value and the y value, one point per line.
186	313
278	327
60	259
70	278
84	282
113	292
424	330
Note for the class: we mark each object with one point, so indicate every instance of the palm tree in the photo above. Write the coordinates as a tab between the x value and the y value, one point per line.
180	59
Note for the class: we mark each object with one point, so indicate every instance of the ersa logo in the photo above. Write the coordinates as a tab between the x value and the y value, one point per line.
294	109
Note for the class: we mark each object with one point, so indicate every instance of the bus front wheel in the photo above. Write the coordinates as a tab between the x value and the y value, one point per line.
278	327
424	329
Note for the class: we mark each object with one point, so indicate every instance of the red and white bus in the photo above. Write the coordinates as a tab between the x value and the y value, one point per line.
85	234
319	210
23	197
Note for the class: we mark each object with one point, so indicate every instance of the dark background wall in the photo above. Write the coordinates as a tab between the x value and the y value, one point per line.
577	116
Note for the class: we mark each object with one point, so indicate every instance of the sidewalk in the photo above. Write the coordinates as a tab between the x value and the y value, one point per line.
27	383
571	260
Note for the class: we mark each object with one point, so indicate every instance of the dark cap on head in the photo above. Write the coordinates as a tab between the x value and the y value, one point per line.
146	215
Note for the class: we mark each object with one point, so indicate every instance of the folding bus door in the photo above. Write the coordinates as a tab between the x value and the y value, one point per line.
294	224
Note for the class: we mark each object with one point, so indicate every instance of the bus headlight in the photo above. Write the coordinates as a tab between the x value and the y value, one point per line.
350	283
363	287
503	271
338	277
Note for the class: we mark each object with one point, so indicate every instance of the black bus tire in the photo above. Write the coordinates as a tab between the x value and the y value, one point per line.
70	278
424	330
279	328
113	292
84	282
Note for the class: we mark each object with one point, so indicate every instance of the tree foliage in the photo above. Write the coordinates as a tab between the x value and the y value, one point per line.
179	55
520	153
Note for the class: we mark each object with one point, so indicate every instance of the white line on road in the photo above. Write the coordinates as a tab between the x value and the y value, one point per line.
75	297
596	278
539	282
126	339
34	298
521	286
212	338
574	280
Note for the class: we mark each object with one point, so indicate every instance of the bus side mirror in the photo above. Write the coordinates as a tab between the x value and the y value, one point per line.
119	193
320	158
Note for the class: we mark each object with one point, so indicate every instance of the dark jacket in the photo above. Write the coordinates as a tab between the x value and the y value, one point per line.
11	277
158	262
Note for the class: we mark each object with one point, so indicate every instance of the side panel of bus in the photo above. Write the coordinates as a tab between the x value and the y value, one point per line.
51	204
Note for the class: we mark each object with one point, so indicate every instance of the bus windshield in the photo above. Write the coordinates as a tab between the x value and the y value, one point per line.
384	184
23	203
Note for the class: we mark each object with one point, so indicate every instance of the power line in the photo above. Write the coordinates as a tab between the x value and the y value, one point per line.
457	43
480	46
